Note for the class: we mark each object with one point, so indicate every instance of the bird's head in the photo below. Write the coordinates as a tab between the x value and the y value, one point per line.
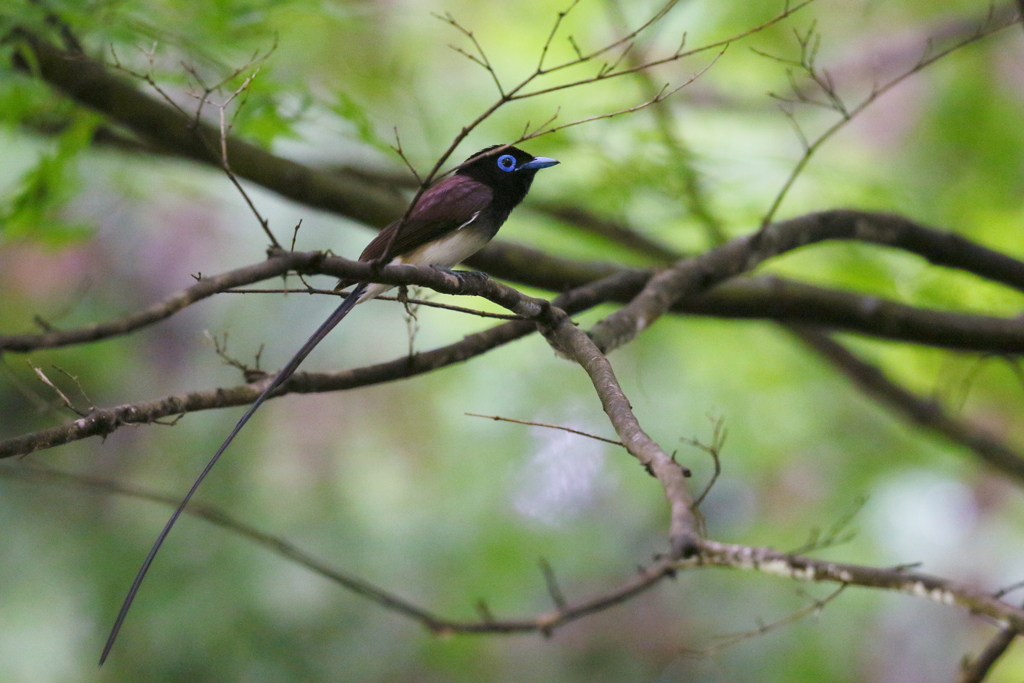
508	172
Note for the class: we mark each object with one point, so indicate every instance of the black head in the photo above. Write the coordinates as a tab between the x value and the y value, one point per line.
507	171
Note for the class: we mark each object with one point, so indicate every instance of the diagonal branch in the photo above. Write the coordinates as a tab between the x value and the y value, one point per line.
929	414
570	341
545	622
90	83
281	264
711	554
696	275
975	670
802	568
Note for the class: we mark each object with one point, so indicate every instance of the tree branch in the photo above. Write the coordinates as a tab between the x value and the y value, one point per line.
102	422
764	297
802	568
711	553
90	83
280	264
975	670
767	297
929	414
570	341
695	275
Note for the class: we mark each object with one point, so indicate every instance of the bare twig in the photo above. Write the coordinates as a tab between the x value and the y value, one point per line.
65	401
714	449
692	189
195	119
808	51
547	426
520	91
726	641
837	534
78	385
26	389
226	161
554	590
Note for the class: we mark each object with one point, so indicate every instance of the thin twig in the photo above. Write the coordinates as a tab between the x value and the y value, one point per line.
65	401
546	426
808	50
554	590
730	640
714	449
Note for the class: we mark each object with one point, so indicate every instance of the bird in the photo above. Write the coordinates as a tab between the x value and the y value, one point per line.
452	220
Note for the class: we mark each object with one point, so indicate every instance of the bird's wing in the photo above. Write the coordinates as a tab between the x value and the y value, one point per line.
445	207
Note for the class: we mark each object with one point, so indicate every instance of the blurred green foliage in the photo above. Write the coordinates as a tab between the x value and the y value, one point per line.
394	483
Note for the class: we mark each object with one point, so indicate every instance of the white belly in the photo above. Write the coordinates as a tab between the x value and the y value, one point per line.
444	253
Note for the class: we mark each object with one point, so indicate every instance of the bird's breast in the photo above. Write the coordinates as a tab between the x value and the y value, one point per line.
451	249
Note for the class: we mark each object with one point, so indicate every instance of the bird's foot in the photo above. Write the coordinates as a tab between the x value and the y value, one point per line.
464	275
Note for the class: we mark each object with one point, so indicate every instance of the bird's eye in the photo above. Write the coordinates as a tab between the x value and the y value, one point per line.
507	162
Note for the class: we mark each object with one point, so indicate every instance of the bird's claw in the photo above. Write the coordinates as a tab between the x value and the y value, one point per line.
464	275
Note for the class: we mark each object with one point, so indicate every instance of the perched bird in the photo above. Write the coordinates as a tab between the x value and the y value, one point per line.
451	221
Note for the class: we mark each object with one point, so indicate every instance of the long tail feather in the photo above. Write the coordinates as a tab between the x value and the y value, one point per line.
286	372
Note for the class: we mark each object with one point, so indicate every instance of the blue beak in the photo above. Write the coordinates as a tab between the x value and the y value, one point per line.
539	162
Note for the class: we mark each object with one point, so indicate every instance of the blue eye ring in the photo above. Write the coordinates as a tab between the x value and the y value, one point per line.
507	162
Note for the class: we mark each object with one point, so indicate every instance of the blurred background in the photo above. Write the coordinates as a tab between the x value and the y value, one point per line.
395	483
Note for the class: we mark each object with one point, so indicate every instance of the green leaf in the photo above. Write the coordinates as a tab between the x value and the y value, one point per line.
34	209
350	110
